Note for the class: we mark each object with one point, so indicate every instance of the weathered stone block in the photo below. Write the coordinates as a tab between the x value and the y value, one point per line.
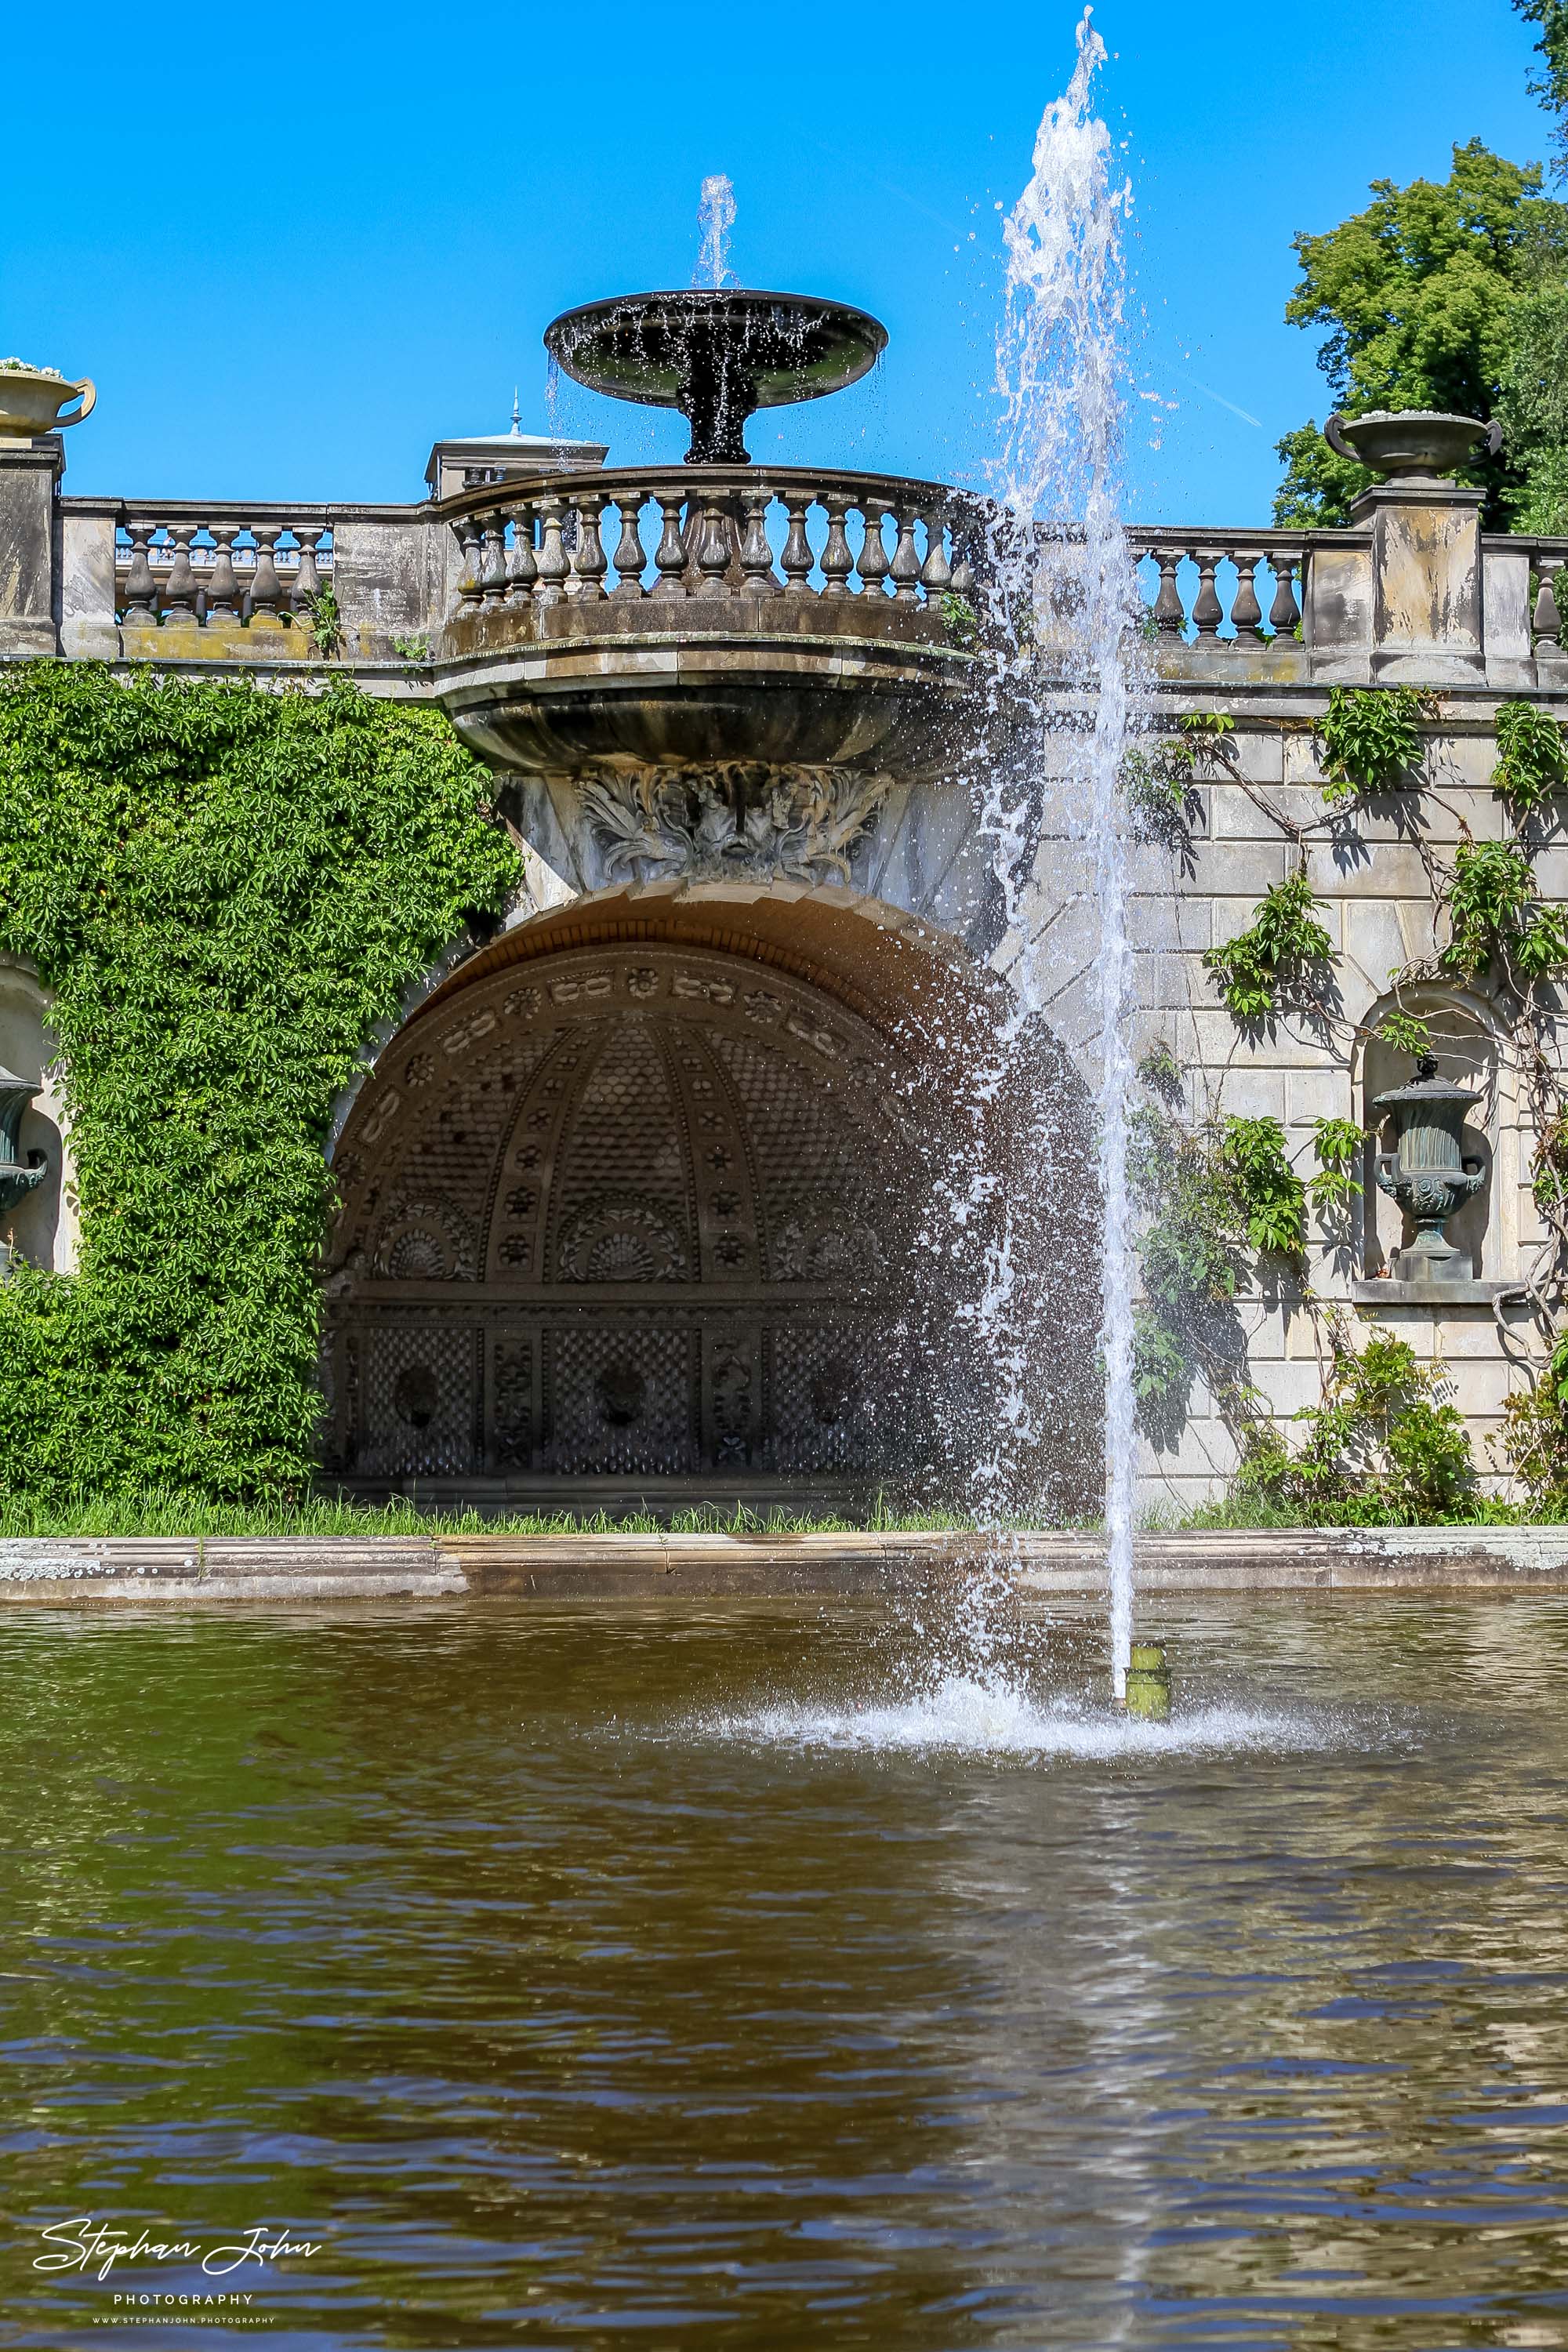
27	477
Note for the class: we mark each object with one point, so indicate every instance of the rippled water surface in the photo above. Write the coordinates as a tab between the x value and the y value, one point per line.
603	1976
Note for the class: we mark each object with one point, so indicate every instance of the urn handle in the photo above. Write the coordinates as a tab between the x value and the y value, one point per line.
1493	441
1386	1169
88	391
1336	439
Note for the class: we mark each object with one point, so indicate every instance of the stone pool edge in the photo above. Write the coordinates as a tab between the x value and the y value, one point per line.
258	1568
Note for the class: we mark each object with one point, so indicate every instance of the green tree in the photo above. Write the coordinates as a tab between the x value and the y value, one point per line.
1550	85
1422	298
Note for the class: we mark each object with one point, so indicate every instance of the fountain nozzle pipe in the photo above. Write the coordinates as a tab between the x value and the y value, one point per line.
1147	1682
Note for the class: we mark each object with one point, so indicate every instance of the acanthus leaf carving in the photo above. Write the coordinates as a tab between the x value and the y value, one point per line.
734	816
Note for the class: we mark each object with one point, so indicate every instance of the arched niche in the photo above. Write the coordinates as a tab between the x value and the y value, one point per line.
41	1227
1464	1031
666	1212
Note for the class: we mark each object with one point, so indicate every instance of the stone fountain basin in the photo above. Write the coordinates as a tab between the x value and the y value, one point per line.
721	678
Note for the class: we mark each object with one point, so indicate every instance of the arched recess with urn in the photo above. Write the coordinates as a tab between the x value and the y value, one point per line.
644	1216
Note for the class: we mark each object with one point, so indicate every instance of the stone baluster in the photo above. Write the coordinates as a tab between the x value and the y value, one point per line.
554	564
180	584
713	548
758	577
905	567
223	588
629	556
307	573
936	571
798	559
522	570
1284	613
1207	610
963	574
266	588
837	558
471	586
141	586
1170	618
873	554
1246	612
589	561
493	580
1546	620
670	556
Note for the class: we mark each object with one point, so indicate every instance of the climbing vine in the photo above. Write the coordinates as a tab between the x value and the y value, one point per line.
224	889
1370	741
1380	1432
1280	959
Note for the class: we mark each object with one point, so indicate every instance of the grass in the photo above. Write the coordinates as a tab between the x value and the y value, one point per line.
157	1511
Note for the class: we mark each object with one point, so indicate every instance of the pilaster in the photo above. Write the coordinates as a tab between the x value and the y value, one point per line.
29	471
1427	606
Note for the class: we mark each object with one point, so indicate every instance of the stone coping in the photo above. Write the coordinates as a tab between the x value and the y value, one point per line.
1387	1291
351	1569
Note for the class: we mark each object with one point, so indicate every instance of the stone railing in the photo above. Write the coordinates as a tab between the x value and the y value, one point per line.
655	535
181	563
1240	583
757	553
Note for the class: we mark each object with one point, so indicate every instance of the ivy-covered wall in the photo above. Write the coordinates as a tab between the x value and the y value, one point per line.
1333	885
225	889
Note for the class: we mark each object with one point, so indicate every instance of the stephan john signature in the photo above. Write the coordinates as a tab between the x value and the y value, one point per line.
82	2244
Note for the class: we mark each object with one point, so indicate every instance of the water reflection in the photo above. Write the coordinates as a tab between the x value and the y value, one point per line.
571	1980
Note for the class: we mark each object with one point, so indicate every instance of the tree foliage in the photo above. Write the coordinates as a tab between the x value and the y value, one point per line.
1551	84
225	889
1419	297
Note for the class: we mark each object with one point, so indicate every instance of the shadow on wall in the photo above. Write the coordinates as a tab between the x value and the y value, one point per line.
675	1217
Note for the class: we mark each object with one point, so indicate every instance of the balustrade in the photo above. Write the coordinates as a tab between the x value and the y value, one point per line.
191	565
722	533
1206	589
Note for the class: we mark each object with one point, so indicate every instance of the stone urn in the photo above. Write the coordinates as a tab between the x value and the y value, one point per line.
17	1179
31	399
1411	445
1426	1172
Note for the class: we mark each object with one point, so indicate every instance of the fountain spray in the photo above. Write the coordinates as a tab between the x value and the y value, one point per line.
1061	550
716	213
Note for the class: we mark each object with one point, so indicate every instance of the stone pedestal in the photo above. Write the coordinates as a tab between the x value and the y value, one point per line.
28	473
1427	625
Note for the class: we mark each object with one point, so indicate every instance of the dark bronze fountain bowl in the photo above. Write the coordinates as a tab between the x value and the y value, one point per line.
717	354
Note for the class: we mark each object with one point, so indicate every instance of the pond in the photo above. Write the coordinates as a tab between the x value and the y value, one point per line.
611	1977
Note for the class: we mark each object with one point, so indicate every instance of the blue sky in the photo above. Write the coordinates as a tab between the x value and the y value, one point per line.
295	246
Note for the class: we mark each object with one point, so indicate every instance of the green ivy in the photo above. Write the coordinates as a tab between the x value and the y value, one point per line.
1532	758
1159	780
1337	1146
225	889
1272	1196
1495	915
1279	953
1405	1032
1370	740
1382	1448
1534	1440
1214	1196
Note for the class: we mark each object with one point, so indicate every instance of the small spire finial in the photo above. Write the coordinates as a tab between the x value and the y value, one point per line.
516	414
